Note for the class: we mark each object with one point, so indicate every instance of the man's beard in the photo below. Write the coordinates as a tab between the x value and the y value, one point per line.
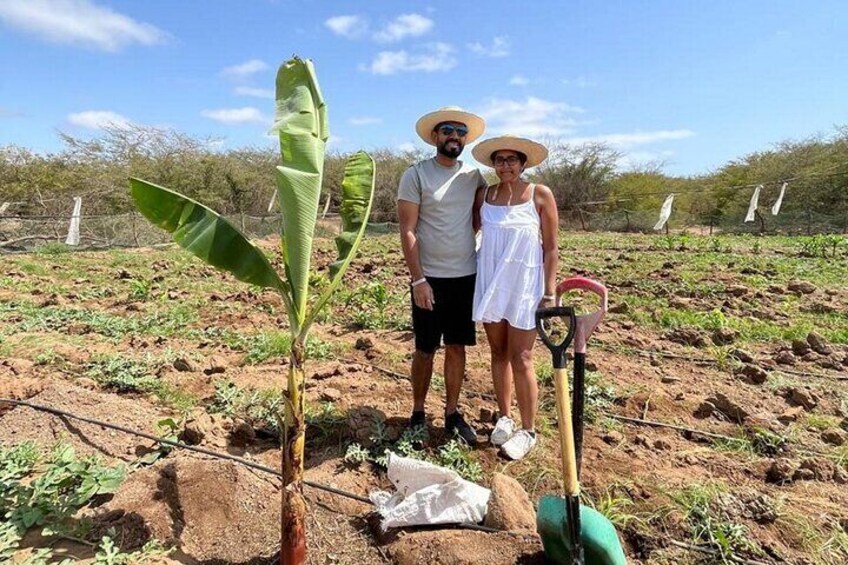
453	152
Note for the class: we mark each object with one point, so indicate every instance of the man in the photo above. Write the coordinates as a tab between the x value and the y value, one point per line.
435	201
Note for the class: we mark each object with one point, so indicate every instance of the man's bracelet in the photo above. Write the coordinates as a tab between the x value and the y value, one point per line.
548	297
422	280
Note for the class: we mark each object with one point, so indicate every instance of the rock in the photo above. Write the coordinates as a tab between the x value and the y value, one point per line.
790	414
736	290
183	365
835	436
613	437
840	476
123	274
803	398
331	394
509	508
687	336
819	344
705	409
784	358
821	468
642	439
487	415
811	356
621	308
728	407
724	336
241	434
679	303
803	475
742	355
215	366
754	374
774	289
363	343
669	379
198	425
829	363
327	373
800	347
781	471
801	287
662	444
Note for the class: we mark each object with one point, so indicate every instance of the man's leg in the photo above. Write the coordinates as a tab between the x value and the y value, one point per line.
454	375
457	296
422	372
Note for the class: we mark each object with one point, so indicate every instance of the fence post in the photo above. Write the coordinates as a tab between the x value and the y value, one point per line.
134	229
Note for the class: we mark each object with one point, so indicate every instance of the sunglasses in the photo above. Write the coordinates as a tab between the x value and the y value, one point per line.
447	129
501	161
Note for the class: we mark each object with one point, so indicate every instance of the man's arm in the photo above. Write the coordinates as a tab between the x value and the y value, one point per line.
422	294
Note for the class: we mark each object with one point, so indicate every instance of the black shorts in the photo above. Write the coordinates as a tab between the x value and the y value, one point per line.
450	317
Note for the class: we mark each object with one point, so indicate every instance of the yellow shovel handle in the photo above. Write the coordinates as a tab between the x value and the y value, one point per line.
566	433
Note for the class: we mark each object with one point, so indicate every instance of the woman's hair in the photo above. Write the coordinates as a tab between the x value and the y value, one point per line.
521	156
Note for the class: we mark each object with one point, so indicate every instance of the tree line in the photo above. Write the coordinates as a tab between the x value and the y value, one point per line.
587	180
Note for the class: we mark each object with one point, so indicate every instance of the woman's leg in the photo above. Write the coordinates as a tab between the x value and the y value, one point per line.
501	370
520	353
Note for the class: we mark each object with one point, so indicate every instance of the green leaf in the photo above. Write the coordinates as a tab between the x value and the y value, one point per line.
357	197
207	235
301	124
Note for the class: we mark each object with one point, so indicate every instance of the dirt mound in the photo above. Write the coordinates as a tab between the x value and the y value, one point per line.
26	424
212	511
461	547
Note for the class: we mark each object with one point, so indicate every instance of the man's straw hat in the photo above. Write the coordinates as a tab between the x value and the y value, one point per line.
536	152
428	122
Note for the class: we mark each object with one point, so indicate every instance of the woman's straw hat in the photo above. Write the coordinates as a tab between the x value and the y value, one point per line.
428	122
536	152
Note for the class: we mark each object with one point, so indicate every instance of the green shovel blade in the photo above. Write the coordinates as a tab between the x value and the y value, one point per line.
601	545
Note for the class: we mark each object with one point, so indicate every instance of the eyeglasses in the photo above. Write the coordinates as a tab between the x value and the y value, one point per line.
447	129
511	160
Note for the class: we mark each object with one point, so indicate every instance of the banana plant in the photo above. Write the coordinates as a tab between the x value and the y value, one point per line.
301	124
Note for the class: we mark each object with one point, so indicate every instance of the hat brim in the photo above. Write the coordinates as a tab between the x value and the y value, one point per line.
428	122
536	152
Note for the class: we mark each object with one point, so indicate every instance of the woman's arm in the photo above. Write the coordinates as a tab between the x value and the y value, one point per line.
546	205
478	203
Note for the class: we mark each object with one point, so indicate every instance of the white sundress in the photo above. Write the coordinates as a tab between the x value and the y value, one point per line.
509	264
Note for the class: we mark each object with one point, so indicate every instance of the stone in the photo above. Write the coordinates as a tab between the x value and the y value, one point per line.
724	336
728	407
840	476
801	287
790	414
802	397
803	475
487	415
363	343
215	366
687	336
331	394
613	437
819	344
774	289
835	436
737	290
754	374
784	358
621	308
242	434
509	507
800	347
742	355
821	468
669	379
198	425
705	409
183	365
327	373
662	445
781	471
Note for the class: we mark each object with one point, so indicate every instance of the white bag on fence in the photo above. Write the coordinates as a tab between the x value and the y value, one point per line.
776	208
665	212
428	494
74	227
752	207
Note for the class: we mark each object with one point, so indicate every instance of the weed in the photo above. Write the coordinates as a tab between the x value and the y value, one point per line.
614	506
53	248
259	408
140	289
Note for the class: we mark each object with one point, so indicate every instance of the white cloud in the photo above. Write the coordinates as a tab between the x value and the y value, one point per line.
232	116
245	69
407	147
98	119
519	80
347	26
407	25
254	92
79	22
437	57
334	140
365	121
632	139
533	117
498	48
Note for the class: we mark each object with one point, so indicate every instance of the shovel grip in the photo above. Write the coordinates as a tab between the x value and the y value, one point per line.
566	434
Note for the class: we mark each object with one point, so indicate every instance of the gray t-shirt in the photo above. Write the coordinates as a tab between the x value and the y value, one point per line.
445	198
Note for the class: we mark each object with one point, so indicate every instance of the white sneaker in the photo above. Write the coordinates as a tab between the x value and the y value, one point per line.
503	431
519	444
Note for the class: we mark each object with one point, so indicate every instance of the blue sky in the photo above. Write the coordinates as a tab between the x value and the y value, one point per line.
693	84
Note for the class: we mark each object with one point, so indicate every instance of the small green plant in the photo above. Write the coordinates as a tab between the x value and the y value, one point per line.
259	408
140	289
53	248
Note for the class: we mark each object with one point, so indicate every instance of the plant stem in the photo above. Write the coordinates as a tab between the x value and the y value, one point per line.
293	515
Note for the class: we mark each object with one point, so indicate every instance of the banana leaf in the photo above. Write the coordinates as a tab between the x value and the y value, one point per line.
207	235
357	197
301	124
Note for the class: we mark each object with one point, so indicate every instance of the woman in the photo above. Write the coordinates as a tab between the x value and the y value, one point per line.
516	271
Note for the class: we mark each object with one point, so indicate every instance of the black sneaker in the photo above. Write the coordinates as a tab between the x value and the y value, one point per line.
455	424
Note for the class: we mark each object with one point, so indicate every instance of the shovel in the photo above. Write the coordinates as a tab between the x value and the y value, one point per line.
572	534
